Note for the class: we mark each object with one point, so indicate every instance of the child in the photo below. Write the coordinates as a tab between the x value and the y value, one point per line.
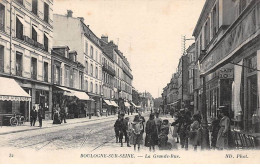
137	128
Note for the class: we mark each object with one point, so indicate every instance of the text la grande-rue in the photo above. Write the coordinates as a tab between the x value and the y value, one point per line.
161	156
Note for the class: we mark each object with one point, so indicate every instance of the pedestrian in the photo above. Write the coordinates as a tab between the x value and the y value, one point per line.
137	128
151	133
117	127
194	135
33	116
224	131
123	130
56	115
158	123
214	132
63	113
40	115
178	123
163	136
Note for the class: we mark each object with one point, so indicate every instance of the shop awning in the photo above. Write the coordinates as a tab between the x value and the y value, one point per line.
108	102
173	103
133	104
78	94
138	106
114	103
127	104
10	90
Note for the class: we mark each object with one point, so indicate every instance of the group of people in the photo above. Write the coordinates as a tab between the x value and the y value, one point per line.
36	114
59	114
188	129
156	131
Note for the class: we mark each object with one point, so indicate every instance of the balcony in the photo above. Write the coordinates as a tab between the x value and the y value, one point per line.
33	43
109	70
127	73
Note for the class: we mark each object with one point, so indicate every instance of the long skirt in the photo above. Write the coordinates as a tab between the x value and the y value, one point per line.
150	139
222	140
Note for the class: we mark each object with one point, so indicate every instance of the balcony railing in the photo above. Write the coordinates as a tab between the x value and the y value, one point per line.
109	70
127	73
34	76
33	43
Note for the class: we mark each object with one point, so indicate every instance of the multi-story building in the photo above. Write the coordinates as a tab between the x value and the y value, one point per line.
68	81
228	32
191	75
26	31
74	33
108	73
122	93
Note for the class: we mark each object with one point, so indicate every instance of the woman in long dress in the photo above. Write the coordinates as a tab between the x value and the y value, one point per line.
223	133
194	131
151	133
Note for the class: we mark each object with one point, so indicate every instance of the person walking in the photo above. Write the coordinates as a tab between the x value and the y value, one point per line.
56	115
63	113
123	130
214	132
194	135
223	133
158	123
33	116
40	115
151	133
137	128
117	127
142	120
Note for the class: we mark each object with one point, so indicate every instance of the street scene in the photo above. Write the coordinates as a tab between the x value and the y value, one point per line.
130	76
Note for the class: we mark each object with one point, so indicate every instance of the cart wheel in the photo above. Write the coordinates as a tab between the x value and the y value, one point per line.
13	121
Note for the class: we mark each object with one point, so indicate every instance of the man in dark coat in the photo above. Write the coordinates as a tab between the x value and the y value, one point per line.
123	130
117	127
63	113
151	133
33	116
40	115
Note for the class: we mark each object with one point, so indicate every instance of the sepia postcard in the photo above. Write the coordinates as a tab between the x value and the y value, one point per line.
129	81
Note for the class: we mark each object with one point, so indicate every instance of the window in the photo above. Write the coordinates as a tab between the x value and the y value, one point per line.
2	17
86	67
91	87
19	29
96	72
91	69
2	58
86	85
91	51
206	34
46	12
35	6
34	34
96	55
86	48
74	78
20	1
45	72
96	89
80	81
34	68
67	76
57	75
71	78
18	63
46	43
214	20
100	90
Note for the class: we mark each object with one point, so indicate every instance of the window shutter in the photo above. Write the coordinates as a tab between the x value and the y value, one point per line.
60	76
54	73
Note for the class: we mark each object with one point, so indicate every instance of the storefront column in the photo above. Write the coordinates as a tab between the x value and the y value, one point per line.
205	133
48	115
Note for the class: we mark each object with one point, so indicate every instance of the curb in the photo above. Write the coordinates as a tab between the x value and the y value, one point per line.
24	130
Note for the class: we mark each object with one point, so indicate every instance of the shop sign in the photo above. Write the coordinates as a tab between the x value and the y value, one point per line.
235	38
226	73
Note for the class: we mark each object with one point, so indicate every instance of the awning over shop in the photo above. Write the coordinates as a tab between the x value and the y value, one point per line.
138	106
10	90
78	94
173	103
127	104
114	103
133	104
108	102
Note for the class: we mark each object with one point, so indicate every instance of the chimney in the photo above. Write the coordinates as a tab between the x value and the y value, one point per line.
81	19
69	13
104	38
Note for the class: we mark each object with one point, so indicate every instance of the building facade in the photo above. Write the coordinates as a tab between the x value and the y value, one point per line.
25	52
227	44
73	32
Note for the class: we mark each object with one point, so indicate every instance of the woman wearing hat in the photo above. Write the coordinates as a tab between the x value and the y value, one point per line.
223	133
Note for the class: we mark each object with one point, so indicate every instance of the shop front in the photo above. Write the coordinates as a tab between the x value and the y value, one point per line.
13	100
95	104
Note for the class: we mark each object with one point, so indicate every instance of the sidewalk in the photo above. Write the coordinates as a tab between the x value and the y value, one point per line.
48	124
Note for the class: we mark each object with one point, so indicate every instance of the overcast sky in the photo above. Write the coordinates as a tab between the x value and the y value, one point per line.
148	32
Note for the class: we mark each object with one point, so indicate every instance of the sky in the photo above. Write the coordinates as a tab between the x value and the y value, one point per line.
148	32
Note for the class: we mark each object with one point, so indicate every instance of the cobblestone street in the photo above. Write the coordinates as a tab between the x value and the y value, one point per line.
95	135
